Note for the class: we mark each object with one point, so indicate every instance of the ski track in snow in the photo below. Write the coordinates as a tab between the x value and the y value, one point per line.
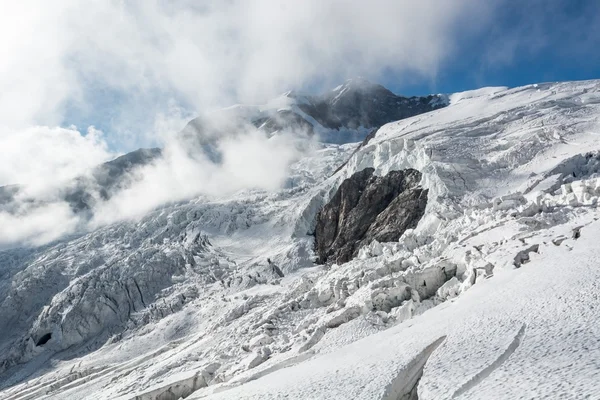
475	380
403	385
184	304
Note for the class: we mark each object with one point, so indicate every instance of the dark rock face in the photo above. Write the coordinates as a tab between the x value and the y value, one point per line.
108	178
7	193
201	136
359	102
365	208
285	120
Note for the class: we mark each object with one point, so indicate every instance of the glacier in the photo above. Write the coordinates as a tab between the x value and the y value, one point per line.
185	302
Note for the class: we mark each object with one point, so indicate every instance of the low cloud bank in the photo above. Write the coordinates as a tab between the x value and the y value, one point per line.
248	159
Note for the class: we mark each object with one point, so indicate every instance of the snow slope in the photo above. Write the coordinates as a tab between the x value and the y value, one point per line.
184	303
526	333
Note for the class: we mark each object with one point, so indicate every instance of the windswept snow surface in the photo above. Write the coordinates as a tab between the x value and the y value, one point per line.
495	294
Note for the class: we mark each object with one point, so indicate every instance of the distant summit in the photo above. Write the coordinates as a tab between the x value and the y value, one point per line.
345	114
359	103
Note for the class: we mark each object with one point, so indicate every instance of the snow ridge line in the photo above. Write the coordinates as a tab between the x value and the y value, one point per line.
405	383
484	373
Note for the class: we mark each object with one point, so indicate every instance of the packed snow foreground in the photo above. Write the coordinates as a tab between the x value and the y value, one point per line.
495	292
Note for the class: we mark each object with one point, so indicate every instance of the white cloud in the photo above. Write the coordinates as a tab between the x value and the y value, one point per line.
249	160
36	225
143	67
212	52
34	78
42	157
64	58
244	50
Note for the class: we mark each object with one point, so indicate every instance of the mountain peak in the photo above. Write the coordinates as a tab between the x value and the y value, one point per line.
358	84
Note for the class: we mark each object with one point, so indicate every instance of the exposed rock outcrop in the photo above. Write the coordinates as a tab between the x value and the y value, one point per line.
360	103
366	208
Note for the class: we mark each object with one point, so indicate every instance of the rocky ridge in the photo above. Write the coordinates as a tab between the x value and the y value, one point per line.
366	208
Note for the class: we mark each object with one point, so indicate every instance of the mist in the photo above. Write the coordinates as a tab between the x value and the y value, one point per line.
248	159
140	71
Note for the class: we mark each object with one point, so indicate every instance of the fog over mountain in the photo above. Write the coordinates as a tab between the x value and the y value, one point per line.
277	200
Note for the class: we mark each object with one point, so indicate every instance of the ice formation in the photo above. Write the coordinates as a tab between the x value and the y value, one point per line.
493	294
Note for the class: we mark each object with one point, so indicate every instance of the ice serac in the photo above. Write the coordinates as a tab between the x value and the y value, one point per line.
367	207
93	289
151	308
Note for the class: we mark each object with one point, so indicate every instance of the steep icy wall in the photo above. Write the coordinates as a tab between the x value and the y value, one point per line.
95	286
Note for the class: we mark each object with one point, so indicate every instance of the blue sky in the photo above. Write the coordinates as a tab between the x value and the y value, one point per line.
522	42
527	42
139	70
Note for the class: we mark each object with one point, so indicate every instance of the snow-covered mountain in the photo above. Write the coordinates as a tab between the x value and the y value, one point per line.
470	233
344	115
